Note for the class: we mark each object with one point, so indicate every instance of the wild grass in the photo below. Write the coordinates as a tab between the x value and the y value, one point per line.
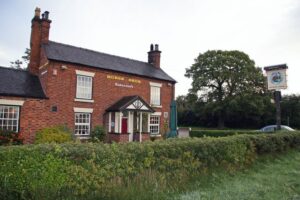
270	178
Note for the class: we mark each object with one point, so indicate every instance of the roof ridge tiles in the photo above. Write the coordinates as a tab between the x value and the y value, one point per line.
95	51
78	55
10	68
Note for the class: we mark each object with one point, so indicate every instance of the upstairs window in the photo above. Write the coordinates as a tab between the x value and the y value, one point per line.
9	118
155	97
84	87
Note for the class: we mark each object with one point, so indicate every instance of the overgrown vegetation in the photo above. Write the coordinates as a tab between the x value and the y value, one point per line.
126	171
56	134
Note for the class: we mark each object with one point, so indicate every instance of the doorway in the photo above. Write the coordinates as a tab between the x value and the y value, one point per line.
124	126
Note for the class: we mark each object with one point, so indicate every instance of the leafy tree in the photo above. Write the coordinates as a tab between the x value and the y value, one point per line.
185	110
290	110
18	64
219	77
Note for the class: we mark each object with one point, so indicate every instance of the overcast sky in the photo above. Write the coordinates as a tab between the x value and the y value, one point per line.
267	30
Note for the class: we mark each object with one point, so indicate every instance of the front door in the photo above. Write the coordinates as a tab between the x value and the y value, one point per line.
124	126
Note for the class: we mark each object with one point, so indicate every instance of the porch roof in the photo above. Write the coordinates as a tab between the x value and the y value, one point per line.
130	103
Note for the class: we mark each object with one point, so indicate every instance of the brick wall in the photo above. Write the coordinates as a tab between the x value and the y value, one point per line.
33	116
61	90
113	137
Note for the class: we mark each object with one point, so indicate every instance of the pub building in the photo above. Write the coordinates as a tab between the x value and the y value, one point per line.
82	88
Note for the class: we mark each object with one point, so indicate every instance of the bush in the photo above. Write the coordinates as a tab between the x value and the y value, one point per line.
219	133
98	171
98	134
56	134
10	138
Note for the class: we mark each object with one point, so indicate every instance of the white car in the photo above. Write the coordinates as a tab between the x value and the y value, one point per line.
272	128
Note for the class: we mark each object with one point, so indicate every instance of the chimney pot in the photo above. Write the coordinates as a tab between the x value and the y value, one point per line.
37	12
46	13
151	47
156	47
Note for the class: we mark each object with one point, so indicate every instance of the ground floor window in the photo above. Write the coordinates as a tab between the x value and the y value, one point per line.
9	118
82	124
154	124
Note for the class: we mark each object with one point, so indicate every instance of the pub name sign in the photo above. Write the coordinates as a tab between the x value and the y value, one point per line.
277	77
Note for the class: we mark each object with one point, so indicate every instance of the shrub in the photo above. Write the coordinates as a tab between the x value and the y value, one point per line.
98	134
10	138
219	133
56	134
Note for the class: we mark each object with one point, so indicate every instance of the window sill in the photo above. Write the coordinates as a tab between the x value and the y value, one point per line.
156	106
155	135
83	136
84	100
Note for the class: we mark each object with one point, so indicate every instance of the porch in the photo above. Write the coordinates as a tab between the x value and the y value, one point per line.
129	120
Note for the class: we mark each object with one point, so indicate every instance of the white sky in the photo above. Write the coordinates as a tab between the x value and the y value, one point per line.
267	30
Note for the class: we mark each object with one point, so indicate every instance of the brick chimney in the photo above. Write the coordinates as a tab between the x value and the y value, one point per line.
39	35
154	56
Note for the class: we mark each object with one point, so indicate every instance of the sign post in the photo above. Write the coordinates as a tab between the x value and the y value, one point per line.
277	80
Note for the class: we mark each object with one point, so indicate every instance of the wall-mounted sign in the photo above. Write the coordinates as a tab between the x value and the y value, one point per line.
134	80
166	115
123	85
121	78
115	77
277	78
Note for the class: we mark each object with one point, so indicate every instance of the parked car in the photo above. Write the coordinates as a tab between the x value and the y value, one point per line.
272	128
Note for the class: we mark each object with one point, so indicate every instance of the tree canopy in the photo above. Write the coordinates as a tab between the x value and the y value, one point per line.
18	64
221	78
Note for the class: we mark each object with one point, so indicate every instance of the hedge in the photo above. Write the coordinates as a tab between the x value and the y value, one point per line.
219	133
93	170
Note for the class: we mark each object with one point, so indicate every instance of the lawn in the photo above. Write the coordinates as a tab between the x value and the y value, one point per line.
271	177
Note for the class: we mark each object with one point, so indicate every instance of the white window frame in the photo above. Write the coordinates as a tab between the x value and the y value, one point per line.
82	124
154	124
84	92
155	94
10	126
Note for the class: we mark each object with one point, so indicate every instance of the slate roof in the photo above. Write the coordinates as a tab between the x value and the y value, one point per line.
20	83
67	53
124	102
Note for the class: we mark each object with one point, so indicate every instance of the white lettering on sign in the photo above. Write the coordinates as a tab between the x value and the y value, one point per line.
123	85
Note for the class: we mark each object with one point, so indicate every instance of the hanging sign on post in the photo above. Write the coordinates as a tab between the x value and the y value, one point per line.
277	78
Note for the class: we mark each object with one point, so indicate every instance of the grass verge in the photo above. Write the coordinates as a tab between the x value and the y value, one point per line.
271	177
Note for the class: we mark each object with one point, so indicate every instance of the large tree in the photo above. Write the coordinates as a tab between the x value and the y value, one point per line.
218	77
290	110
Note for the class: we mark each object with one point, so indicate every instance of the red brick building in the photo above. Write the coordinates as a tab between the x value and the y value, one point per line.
81	88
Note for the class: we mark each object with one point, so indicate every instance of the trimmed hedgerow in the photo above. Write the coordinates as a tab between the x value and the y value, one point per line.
95	170
219	133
